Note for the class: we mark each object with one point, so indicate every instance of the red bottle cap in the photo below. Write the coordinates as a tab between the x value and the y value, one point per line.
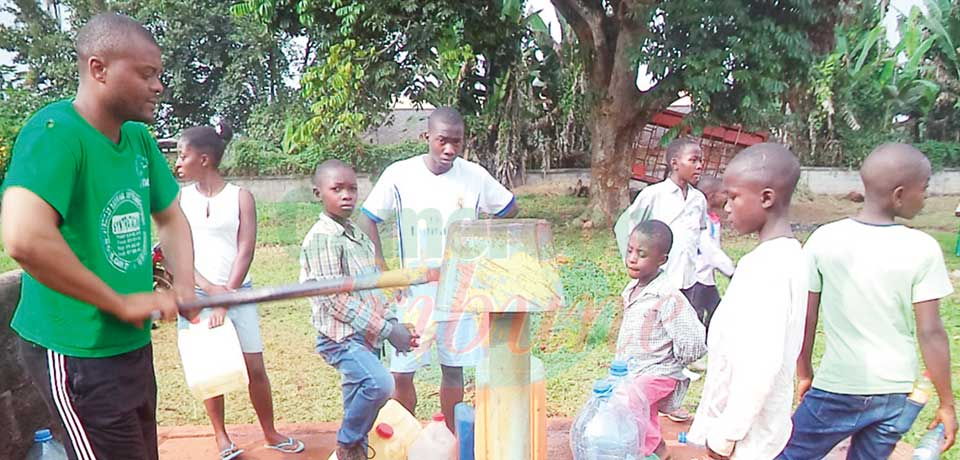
438	417
385	431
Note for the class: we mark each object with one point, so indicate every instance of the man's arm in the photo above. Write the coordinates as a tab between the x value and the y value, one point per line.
32	237
805	360
177	242
935	349
369	226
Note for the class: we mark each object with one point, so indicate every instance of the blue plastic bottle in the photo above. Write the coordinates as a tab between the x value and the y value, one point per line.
45	447
464	420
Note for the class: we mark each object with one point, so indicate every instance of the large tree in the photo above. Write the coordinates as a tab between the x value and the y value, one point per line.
215	63
732	57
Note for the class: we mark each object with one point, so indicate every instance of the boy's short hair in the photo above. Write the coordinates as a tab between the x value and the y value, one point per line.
323	168
679	145
446	116
769	165
709	185
657	232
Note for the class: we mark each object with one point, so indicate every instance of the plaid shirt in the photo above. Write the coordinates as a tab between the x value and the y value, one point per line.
660	333
331	250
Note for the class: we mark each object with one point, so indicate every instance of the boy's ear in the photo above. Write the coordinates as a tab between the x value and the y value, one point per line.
316	192
898	196
768	198
663	260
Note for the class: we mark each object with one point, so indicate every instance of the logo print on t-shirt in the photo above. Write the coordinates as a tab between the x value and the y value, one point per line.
122	226
143	171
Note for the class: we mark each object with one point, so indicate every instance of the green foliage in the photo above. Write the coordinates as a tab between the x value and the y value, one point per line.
16	106
216	64
941	154
252	157
38	38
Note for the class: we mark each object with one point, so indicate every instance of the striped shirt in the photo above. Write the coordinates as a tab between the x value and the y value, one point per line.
331	250
660	333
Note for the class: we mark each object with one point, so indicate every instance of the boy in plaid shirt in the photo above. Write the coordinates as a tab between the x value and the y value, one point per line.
660	333
350	326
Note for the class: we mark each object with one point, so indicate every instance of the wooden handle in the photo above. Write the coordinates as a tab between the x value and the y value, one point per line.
387	279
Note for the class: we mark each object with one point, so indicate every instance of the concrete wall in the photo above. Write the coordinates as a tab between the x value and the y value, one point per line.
22	411
820	181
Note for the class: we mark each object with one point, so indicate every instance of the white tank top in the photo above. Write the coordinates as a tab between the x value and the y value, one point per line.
215	223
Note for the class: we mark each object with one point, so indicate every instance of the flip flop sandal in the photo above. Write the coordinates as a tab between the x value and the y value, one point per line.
231	452
290	446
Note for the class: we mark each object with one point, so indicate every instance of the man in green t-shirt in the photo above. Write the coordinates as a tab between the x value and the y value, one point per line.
85	178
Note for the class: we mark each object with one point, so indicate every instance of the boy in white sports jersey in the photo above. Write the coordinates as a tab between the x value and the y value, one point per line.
424	194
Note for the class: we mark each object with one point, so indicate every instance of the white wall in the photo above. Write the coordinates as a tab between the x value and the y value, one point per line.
820	181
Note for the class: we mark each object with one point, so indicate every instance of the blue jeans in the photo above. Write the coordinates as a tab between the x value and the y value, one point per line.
366	385
875	422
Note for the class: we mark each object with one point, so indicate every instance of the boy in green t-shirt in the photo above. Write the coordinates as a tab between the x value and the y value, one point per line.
84	180
877	284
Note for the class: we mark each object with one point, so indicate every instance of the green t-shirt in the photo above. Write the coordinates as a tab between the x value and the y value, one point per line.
869	277
105	194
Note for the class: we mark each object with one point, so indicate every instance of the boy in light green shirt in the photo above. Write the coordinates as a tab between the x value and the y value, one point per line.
877	284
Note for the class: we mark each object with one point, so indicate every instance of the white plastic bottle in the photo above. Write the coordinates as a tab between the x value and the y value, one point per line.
435	442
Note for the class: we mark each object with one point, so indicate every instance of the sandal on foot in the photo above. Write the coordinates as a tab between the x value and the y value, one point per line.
290	446
230	452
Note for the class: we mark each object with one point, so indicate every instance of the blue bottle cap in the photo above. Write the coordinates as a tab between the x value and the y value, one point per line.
618	368
42	435
682	437
601	387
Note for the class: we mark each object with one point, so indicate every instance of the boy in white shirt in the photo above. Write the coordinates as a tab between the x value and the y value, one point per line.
744	412
710	256
425	194
878	286
676	202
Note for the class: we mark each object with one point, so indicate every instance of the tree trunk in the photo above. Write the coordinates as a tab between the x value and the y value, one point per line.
611	133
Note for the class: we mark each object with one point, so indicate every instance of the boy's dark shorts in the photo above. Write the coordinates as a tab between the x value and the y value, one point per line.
107	405
704	299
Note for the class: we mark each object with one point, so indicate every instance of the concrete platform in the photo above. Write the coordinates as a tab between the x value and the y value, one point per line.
196	442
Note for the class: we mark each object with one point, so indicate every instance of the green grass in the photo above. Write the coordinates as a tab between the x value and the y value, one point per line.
575	344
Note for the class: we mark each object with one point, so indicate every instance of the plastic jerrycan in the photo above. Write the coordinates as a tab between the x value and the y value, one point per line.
212	361
538	409
436	442
394	430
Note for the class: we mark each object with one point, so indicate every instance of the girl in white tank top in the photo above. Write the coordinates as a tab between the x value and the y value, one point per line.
223	220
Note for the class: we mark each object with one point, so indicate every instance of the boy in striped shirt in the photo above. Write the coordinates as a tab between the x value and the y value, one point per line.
350	326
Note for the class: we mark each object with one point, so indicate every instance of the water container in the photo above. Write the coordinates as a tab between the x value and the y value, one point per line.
629	396
436	442
538	409
404	428
212	361
598	432
930	444
45	447
464	420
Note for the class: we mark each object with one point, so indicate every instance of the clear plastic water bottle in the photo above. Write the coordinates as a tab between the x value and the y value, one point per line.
628	396
598	432
45	447
930	444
